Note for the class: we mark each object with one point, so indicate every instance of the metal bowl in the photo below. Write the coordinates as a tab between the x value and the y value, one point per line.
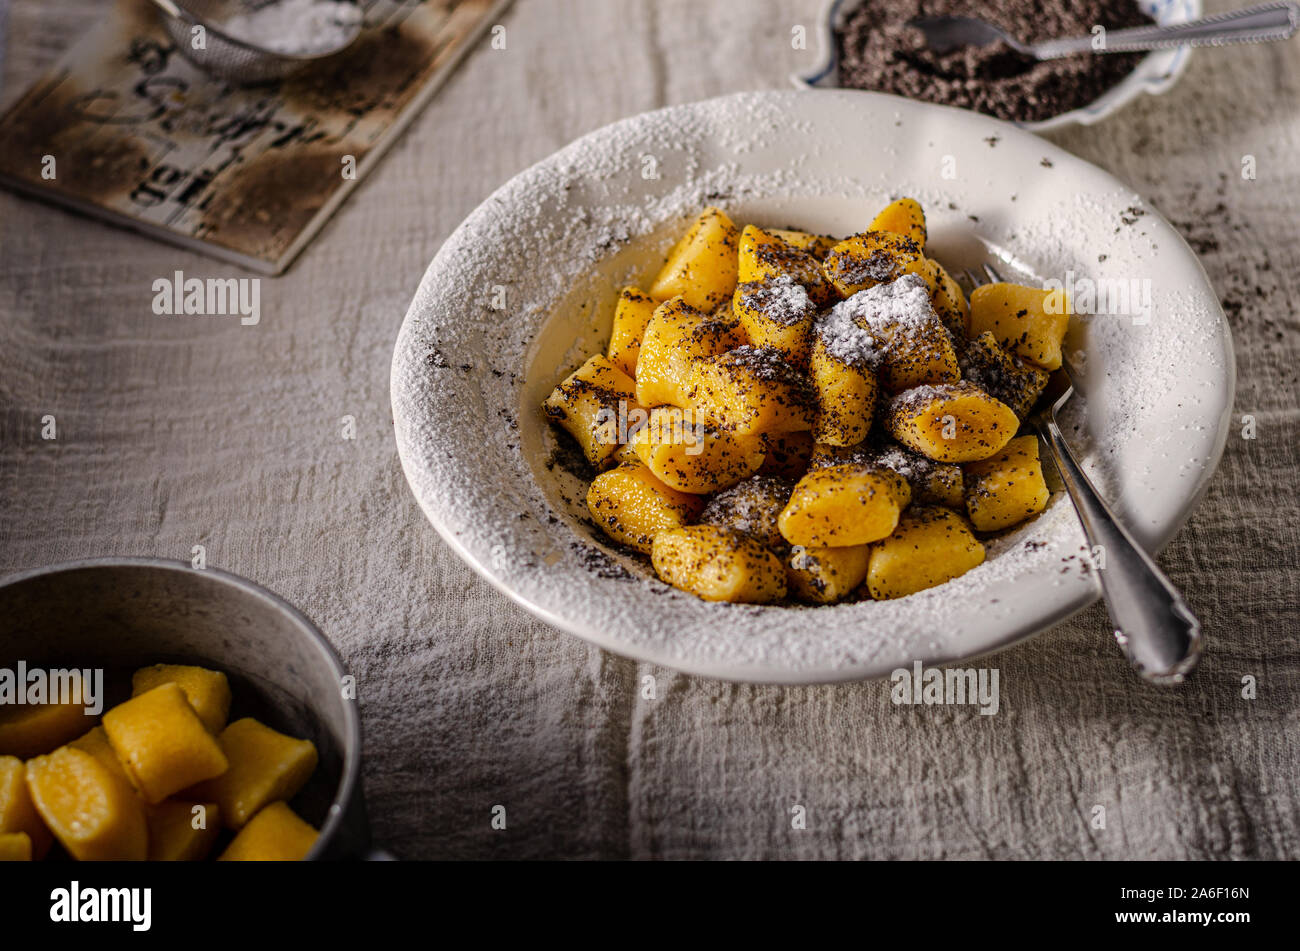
124	613
1155	74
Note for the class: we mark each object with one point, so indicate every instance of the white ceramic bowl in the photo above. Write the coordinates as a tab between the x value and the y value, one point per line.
523	291
1156	73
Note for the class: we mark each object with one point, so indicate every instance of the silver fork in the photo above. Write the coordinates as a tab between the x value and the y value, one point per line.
1155	628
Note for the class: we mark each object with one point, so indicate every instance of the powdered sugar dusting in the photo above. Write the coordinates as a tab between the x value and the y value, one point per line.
782	299
296	27
846	340
750	507
912	466
861	330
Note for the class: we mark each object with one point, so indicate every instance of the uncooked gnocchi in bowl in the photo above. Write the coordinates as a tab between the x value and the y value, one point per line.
162	776
787	416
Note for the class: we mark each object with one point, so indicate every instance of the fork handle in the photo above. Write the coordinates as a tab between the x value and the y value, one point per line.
1153	624
1267	21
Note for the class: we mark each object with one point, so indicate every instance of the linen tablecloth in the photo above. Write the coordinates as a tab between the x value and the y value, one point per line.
181	432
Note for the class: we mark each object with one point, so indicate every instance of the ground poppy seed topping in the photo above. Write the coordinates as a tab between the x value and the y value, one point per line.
878	50
821	412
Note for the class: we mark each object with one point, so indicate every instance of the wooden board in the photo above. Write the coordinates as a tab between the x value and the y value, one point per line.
124	127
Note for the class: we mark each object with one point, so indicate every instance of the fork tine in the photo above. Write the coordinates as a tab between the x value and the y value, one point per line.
994	276
971	278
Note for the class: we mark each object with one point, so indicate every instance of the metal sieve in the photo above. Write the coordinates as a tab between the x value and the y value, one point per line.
221	54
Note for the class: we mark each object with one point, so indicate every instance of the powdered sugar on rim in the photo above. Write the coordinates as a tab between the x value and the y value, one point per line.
556	243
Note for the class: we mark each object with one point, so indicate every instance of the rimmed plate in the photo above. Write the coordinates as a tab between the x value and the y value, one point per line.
523	291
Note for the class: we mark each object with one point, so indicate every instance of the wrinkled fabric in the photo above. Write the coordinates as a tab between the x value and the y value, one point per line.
176	432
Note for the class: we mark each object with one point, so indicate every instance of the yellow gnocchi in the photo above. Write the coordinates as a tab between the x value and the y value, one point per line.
702	266
787	416
718	564
949	301
844	505
892	328
753	390
929	546
777	313
631	505
689	456
94	817
764	256
1008	488
29	729
675	338
752	507
18	814
826	575
953	422
846	394
903	216
631	315
587	404
871	258
1003	375
1028	321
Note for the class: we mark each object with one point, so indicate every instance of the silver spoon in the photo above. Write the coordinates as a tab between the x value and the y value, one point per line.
1154	625
1258	24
